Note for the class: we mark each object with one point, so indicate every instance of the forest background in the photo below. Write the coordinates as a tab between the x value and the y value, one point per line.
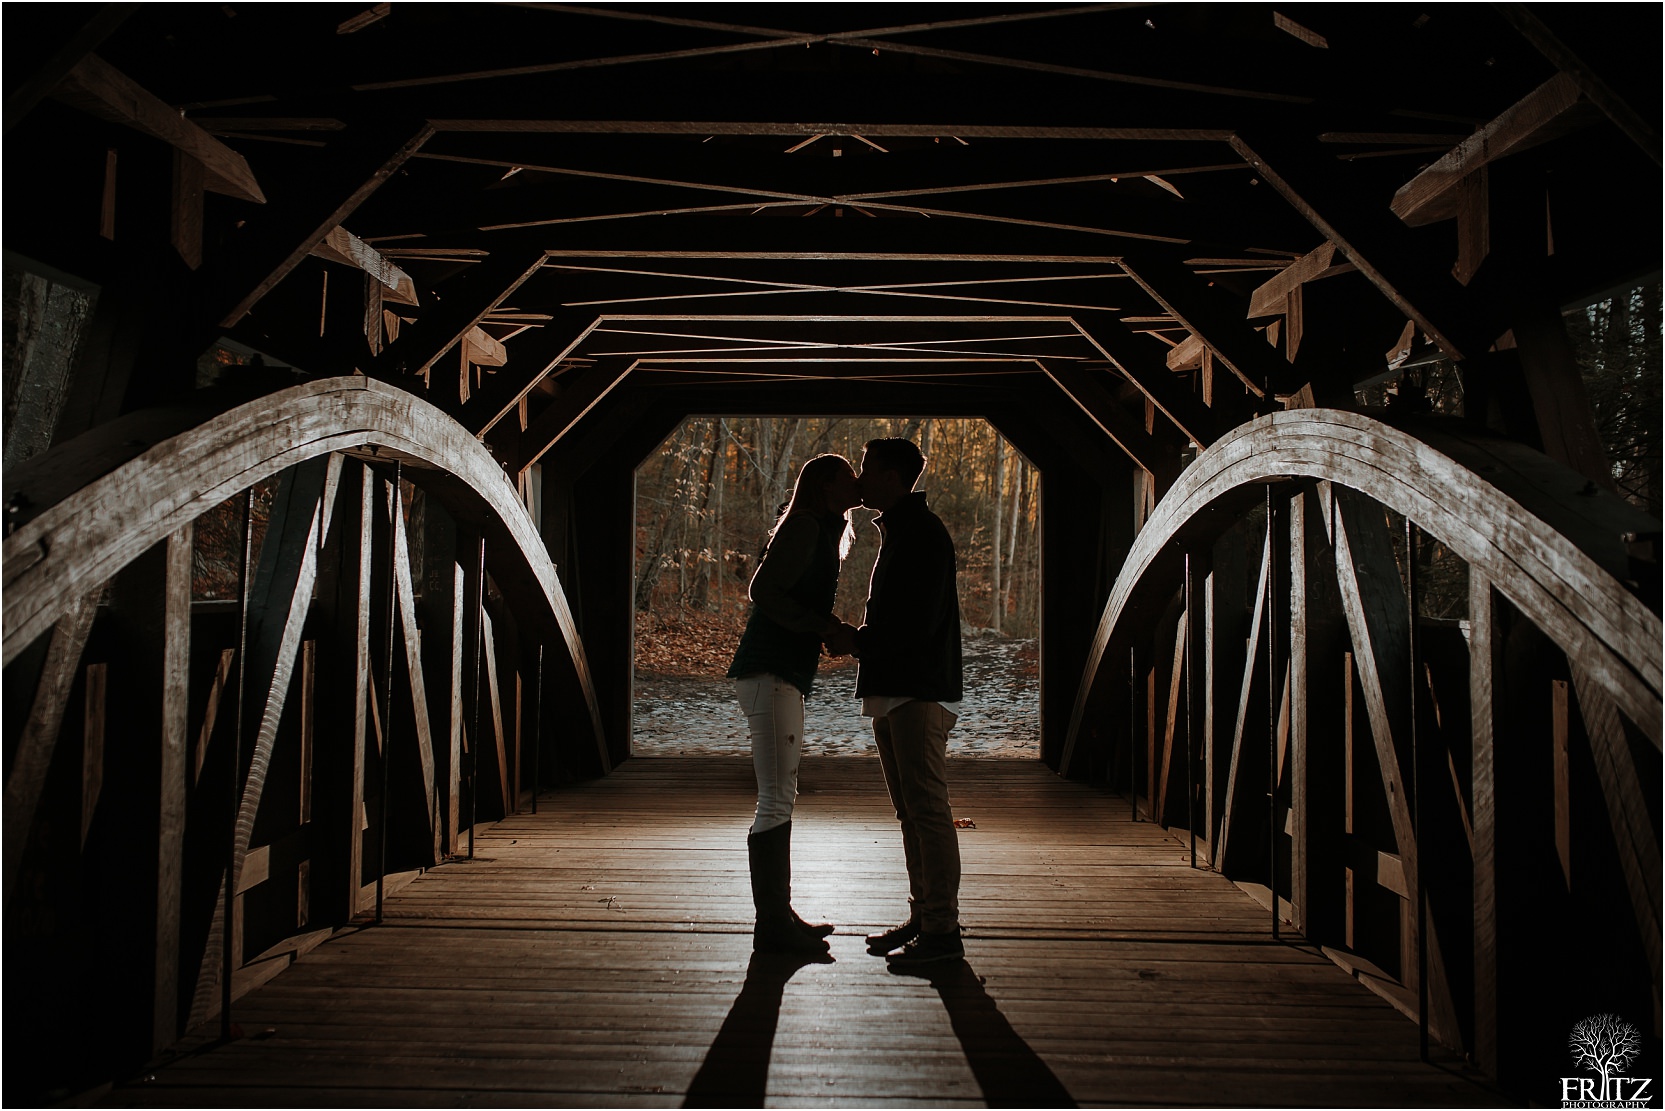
706	500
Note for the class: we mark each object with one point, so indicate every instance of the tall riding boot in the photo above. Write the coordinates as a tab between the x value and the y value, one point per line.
814	929
771	866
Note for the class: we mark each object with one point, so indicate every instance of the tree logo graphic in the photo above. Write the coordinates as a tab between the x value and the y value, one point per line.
1605	1045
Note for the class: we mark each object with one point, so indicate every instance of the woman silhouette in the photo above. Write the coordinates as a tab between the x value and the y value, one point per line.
774	669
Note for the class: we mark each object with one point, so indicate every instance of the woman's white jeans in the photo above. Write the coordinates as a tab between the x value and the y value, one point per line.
774	712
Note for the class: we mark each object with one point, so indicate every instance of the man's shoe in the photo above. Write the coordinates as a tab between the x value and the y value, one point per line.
892	939
929	948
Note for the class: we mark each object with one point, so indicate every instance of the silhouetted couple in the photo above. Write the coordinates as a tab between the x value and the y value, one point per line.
908	646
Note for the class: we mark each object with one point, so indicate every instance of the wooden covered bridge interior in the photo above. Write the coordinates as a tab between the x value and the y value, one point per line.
335	334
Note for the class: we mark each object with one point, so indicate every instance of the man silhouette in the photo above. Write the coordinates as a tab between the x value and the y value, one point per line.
909	683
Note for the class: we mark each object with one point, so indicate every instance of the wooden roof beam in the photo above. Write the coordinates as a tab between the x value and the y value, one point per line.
1371	239
531	360
476	292
1219	325
1544	113
1142	363
1090	390
353	168
341	245
97	87
579	391
1270	298
803	130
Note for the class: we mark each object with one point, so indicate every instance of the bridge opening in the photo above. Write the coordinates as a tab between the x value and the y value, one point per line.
705	499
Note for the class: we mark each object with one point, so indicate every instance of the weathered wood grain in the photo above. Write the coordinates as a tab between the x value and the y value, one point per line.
1235	786
105	90
597	952
1270	298
1515	516
89	534
175	779
1433	194
1485	695
494	707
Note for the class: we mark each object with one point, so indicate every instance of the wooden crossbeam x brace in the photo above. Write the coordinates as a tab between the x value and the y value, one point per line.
1220	326
342	246
1373	240
99	88
1143	364
300	520
1088	389
1373	600
1542	114
354	167
1271	298
475	294
532	358
410	644
280	598
579	391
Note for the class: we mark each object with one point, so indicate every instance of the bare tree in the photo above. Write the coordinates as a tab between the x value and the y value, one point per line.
1605	1043
997	591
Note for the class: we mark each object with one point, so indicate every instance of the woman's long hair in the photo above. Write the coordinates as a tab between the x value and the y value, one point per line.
809	495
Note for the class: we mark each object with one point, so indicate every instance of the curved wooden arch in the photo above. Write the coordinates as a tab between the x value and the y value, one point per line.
1544	537
113	515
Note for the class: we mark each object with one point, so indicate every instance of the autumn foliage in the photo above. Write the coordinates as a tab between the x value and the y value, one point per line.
707	498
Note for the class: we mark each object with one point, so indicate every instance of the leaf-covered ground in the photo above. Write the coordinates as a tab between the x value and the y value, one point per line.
685	707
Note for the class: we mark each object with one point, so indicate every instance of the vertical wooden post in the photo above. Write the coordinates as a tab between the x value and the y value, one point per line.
1419	777
537	723
228	953
1485	671
478	615
186	225
1195	631
175	778
397	510
1559	737
1133	731
453	765
1316	763
1300	740
443	643
1272	698
343	695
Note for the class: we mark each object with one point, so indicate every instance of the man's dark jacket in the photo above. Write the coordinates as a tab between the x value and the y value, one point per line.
909	642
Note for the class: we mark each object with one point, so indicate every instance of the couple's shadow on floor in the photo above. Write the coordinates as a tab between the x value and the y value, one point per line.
735	1072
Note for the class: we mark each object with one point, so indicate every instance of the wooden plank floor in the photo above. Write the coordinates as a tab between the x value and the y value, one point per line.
598	954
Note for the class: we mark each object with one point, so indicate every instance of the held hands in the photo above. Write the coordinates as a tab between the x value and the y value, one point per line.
842	640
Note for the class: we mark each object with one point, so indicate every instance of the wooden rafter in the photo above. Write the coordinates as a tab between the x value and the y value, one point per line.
1425	294
270	249
102	89
1433	194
